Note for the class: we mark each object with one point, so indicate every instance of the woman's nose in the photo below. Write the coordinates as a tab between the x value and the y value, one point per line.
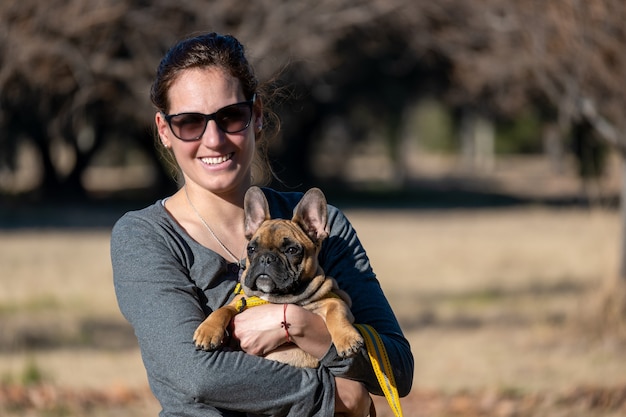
212	136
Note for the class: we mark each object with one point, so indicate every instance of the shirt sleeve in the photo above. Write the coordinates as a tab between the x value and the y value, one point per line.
164	306
344	258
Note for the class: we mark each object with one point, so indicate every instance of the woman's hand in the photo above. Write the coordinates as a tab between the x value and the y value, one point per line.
259	330
351	399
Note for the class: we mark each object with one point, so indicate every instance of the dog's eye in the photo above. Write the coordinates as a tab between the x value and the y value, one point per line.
292	250
251	250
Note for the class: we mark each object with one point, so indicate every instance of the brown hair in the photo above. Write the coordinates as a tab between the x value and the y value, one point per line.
227	53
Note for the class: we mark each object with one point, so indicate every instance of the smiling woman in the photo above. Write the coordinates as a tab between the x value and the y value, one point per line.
179	259
200	143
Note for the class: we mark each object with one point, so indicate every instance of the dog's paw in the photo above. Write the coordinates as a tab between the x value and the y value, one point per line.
208	338
349	343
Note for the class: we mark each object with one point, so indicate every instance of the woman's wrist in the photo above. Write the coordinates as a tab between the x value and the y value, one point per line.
285	324
306	329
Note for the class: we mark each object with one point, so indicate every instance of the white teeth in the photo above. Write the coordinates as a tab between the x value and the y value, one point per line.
217	160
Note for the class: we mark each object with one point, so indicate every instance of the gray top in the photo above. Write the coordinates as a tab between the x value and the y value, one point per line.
166	284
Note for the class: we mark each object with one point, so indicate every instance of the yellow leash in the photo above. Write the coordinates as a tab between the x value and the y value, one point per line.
378	355
375	349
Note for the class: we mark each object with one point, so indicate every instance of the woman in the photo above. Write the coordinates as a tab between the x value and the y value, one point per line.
178	259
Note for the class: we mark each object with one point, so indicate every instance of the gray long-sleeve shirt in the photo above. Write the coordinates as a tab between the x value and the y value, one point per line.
166	284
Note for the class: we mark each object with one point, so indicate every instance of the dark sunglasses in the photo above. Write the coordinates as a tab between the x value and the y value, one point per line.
230	119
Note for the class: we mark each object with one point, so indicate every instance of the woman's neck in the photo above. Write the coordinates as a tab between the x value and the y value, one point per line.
213	221
226	207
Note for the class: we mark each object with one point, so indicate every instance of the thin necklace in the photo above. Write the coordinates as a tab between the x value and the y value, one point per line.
238	261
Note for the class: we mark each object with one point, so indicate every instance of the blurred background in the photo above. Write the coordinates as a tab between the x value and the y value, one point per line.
483	139
375	86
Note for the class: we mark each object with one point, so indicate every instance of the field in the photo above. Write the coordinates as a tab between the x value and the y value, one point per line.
501	306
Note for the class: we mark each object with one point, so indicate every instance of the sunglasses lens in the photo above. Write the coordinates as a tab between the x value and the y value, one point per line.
188	126
235	118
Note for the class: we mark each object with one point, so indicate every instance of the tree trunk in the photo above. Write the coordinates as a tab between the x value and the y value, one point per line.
477	142
553	147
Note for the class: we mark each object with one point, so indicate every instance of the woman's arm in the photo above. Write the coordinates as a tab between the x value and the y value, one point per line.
344	258
164	306
351	399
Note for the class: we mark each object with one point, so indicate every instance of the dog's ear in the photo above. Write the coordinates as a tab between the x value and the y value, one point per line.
256	211
311	214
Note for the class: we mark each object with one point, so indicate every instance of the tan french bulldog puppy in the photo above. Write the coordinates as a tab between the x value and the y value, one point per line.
282	268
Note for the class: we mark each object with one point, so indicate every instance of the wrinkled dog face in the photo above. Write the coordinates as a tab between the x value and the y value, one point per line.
282	254
281	258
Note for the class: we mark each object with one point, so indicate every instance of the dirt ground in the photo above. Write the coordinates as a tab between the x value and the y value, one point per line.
505	309
500	307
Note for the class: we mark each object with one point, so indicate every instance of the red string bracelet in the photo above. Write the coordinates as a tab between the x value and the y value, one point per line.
284	323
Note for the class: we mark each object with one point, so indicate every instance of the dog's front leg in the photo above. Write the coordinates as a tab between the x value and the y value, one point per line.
210	333
338	318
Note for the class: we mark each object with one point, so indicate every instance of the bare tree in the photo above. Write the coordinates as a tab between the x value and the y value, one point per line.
80	71
572	53
566	57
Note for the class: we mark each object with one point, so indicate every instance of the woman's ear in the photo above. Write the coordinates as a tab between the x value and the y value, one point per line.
162	129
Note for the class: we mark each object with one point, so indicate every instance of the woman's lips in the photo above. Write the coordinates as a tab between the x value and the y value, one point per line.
215	160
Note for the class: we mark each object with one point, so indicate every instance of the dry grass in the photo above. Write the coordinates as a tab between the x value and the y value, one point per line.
492	301
496	299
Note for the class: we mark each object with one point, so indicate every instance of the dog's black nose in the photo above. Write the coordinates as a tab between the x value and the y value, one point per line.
267	259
